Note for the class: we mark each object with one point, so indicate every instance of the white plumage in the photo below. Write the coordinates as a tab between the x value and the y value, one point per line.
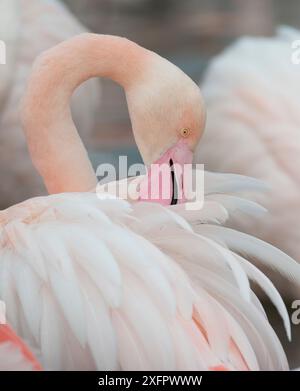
102	284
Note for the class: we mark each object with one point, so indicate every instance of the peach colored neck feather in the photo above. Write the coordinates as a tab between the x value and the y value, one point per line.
55	146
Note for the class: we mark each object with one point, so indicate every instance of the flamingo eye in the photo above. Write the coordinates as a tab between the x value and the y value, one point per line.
185	132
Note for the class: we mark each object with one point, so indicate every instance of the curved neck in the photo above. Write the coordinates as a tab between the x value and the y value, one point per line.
55	146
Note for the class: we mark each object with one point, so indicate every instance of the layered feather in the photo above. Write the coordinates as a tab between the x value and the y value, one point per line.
104	284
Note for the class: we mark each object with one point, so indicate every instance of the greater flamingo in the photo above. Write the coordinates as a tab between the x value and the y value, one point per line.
28	28
107	284
251	91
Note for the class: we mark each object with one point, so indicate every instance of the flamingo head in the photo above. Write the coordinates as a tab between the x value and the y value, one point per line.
168	117
165	106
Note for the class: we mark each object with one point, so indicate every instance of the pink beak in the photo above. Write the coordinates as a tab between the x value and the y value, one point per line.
165	178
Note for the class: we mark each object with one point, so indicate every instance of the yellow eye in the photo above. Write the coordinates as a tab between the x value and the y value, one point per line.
185	132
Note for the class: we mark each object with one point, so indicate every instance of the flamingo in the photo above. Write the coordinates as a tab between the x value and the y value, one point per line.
106	283
251	91
28	28
14	354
